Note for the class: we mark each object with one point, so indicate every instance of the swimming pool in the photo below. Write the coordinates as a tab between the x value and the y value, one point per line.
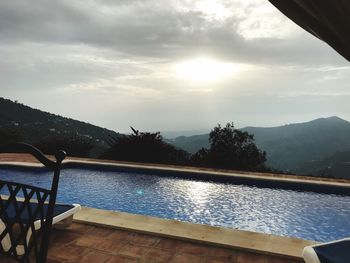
307	215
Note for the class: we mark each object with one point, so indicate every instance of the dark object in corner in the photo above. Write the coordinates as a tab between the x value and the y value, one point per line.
325	19
331	252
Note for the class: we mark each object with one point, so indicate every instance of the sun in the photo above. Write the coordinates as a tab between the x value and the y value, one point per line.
206	70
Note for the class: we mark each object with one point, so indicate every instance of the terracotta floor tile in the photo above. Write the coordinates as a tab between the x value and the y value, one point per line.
100	243
71	252
80	228
167	243
186	258
52	260
99	231
281	260
83	244
63	237
215	260
251	258
94	257
119	235
88	240
110	246
219	252
222	254
157	255
133	251
122	259
190	248
143	240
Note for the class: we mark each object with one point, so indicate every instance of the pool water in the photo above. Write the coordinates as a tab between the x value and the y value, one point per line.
307	215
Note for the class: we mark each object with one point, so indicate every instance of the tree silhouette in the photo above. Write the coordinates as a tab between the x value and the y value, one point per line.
77	146
144	147
230	149
10	135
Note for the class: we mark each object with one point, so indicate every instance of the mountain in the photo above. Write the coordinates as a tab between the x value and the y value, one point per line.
191	143
290	146
337	165
175	134
319	147
35	125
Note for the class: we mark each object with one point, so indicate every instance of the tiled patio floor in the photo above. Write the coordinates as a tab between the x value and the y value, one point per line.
82	243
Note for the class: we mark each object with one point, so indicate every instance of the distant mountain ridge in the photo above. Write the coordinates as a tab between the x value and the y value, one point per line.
318	147
289	147
36	124
191	143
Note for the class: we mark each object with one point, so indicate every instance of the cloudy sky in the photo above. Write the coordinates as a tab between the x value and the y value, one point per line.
168	65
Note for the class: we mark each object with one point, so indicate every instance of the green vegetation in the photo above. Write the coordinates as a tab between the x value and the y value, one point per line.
76	146
288	147
10	135
35	127
335	166
144	147
292	148
320	147
231	149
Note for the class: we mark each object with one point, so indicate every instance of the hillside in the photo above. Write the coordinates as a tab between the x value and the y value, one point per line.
337	165
35	125
289	147
191	143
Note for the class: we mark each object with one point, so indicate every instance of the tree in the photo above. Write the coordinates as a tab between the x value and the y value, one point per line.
77	146
144	147
230	149
10	135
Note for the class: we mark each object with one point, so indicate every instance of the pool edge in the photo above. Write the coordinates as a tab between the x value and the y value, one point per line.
284	247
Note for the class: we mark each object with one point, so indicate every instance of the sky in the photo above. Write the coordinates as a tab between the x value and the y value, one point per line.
168	65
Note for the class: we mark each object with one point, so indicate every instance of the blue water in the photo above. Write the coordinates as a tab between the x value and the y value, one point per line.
307	215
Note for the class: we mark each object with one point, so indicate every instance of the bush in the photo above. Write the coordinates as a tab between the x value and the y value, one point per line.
76	146
10	135
144	147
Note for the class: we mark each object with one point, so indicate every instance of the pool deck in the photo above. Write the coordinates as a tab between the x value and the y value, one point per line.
107	236
81	243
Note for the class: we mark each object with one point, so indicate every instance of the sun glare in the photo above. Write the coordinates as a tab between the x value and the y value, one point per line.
213	9
206	70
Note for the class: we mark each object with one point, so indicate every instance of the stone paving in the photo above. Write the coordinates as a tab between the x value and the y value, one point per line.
82	243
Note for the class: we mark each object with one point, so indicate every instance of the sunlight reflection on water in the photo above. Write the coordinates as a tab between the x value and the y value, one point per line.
305	215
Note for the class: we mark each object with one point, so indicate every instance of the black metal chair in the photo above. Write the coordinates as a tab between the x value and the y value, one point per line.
21	236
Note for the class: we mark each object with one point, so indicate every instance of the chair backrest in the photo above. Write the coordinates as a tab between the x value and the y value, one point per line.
22	205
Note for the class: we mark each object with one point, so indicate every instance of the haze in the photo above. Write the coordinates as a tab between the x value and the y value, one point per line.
168	65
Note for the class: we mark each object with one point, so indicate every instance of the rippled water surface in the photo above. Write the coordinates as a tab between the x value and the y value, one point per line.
306	215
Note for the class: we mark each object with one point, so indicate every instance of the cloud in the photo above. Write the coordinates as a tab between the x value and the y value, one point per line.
248	30
119	56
